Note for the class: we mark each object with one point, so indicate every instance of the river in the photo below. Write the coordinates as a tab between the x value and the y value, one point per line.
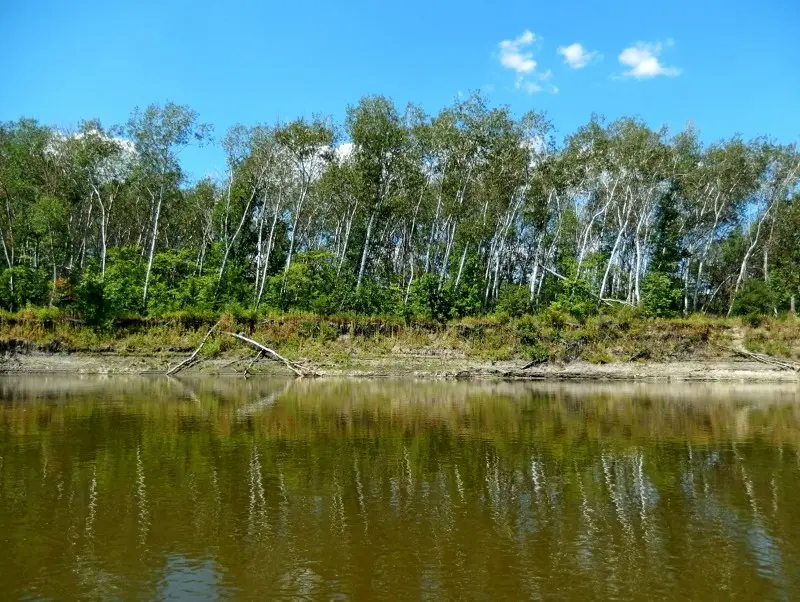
131	488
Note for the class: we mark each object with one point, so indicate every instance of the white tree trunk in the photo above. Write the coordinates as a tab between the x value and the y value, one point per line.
152	246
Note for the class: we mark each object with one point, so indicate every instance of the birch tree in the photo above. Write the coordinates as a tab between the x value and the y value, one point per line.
308	146
375	129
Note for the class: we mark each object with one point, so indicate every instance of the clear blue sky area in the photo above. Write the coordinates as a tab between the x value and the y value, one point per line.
728	67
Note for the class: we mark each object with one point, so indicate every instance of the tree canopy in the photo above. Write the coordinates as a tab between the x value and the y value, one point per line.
394	211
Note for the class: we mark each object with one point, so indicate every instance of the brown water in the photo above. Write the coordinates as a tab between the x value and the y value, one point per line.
230	489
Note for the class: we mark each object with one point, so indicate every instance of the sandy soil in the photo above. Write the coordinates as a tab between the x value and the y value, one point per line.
407	366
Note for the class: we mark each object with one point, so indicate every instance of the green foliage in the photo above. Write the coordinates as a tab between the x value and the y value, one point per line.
514	300
667	251
310	284
576	299
755	297
21	286
555	317
467	297
784	278
123	282
91	299
660	296
428	300
176	285
461	204
376	299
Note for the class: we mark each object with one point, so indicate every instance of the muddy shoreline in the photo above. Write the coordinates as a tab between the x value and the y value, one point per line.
423	366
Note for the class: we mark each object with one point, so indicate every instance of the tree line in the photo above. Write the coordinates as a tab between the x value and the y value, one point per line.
397	212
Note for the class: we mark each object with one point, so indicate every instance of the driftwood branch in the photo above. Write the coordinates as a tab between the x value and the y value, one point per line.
763	358
532	363
189	360
293	366
253	361
261	404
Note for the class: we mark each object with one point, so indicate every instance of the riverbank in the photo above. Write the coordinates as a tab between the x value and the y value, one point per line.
444	368
545	347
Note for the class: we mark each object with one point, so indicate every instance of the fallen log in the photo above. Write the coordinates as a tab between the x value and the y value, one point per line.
533	363
293	366
188	361
763	358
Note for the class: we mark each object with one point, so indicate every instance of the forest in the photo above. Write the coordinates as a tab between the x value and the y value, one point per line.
396	212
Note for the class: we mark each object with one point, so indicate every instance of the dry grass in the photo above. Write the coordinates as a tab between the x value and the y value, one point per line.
619	337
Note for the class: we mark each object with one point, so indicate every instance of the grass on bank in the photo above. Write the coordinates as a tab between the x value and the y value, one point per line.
551	336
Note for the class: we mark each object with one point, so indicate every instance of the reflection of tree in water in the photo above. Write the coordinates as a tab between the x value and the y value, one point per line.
258	526
141	499
332	489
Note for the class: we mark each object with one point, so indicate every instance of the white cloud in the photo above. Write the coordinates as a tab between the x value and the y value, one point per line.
642	61
513	56
576	56
532	87
527	86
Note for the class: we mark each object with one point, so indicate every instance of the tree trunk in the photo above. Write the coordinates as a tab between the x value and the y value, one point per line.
259	249
743	268
346	241
365	251
152	247
604	282
461	266
103	242
449	247
295	221
269	248
229	244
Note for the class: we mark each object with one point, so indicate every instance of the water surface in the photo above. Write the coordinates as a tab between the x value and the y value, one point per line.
133	488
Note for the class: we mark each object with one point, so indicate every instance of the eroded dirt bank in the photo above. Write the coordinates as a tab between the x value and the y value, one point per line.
441	367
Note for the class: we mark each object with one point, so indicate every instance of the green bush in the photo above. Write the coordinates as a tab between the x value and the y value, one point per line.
22	286
753	319
575	298
528	331
175	284
660	296
91	299
310	285
123	282
755	297
555	317
514	301
427	300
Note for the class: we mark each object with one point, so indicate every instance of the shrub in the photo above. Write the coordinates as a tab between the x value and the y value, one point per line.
554	316
528	331
91	300
123	282
660	297
427	300
21	286
576	299
514	300
755	297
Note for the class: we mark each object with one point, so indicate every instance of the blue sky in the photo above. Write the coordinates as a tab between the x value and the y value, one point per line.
728	67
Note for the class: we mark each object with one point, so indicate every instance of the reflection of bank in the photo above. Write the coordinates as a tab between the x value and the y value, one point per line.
191	579
262	488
